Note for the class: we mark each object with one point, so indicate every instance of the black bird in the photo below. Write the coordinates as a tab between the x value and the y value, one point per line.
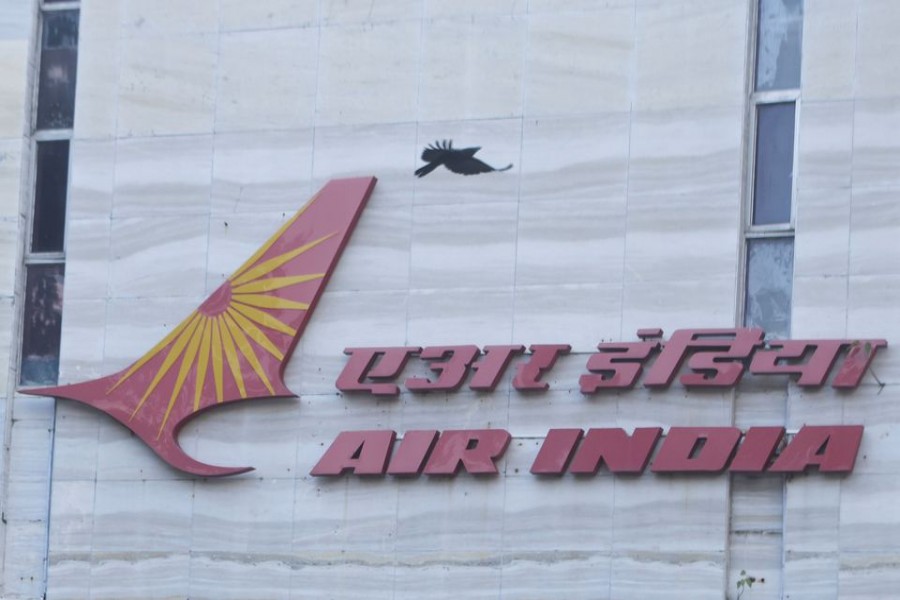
460	161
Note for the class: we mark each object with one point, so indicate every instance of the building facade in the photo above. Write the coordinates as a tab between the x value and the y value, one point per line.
676	164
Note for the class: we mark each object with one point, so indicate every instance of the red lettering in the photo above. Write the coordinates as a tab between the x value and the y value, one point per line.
543	357
491	366
621	453
556	451
373	363
857	361
756	450
409	457
474	449
722	368
618	366
813	372
361	452
451	369
833	448
696	449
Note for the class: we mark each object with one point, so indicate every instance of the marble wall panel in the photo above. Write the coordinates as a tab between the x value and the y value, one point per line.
233	238
167	85
661	514
10	245
71	528
571	514
677	407
350	319
82	344
568	574
155	514
343	576
823	232
875	155
92	171
87	261
8	370
592	313
122	458
378	257
693	151
97	84
149	575
478	316
69	575
679	304
867	575
808	406
259	433
389	152
757	505
690	54
13	87
457	410
261	527
872	304
267	80
75	443
12	158
163	176
162	17
437	516
261	172
340	11
825	147
876	408
26	500
874	222
581	242
812	514
579	63
756	555
238	15
23	557
829	49
760	403
475	575
500	141
472	69
877	76
869	519
819	307
238	576
679	238
467	8
159	257
650	575
810	575
134	325
454	248
368	74
15	21
29	454
568	159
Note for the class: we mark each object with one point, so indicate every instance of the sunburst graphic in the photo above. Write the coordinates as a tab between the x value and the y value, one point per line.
235	345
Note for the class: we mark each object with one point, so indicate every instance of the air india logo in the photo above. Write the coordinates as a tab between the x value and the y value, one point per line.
236	344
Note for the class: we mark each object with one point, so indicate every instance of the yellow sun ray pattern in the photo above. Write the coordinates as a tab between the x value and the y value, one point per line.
241	328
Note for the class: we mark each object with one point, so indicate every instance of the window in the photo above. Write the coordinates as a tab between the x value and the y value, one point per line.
45	250
769	229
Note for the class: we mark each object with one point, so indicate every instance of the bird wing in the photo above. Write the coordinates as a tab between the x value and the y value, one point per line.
468	166
235	345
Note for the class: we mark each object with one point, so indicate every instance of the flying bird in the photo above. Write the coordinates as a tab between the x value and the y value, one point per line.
457	160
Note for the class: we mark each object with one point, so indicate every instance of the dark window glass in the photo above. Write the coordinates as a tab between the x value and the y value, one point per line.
43	324
59	56
49	222
770	273
778	45
773	180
